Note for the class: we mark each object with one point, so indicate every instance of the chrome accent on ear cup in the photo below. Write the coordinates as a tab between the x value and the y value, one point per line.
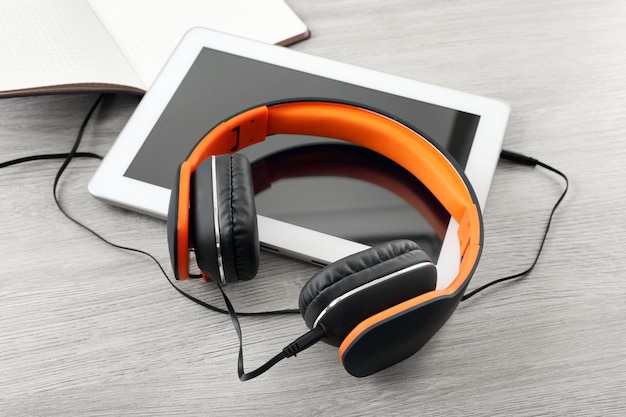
216	220
377	281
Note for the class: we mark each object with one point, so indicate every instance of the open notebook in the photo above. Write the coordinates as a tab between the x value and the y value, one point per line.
59	46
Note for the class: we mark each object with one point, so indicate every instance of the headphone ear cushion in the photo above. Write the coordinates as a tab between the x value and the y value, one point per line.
228	180
356	287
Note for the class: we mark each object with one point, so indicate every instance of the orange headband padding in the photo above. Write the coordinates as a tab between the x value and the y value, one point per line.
353	124
382	135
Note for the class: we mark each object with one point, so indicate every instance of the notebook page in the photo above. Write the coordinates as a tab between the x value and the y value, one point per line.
45	43
148	31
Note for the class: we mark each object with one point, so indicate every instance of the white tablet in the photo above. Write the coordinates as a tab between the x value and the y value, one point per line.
320	219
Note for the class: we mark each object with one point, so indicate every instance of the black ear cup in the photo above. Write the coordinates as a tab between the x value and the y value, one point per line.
223	223
354	288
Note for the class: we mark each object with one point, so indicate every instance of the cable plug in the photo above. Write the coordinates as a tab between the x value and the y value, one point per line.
304	342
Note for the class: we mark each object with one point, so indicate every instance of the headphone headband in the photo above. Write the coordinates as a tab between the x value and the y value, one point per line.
372	129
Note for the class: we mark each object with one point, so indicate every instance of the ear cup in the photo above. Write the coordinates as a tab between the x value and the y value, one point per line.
223	223
354	288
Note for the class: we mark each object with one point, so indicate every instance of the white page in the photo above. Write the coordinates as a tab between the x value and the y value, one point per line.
147	31
57	42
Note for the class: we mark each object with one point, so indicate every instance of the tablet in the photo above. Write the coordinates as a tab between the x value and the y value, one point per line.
317	218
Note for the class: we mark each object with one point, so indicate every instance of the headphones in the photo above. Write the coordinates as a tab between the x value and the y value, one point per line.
379	306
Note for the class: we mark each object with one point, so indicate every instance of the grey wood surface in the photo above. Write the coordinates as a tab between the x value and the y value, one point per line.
86	329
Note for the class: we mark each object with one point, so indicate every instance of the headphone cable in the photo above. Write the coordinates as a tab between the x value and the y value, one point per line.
520	159
67	158
303	342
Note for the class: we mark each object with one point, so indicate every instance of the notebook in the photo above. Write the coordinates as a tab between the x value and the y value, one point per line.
62	46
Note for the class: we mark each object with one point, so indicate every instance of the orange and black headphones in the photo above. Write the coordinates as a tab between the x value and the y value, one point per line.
379	306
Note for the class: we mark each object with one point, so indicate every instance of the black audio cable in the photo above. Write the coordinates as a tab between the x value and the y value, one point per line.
518	158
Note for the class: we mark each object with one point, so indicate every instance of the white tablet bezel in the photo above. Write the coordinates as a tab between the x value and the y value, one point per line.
110	184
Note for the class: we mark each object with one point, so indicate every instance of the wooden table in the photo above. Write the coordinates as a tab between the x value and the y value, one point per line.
90	330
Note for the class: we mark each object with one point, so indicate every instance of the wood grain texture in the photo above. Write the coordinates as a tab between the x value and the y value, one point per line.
88	330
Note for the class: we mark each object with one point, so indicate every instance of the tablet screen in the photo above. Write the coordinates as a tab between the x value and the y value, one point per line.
220	84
